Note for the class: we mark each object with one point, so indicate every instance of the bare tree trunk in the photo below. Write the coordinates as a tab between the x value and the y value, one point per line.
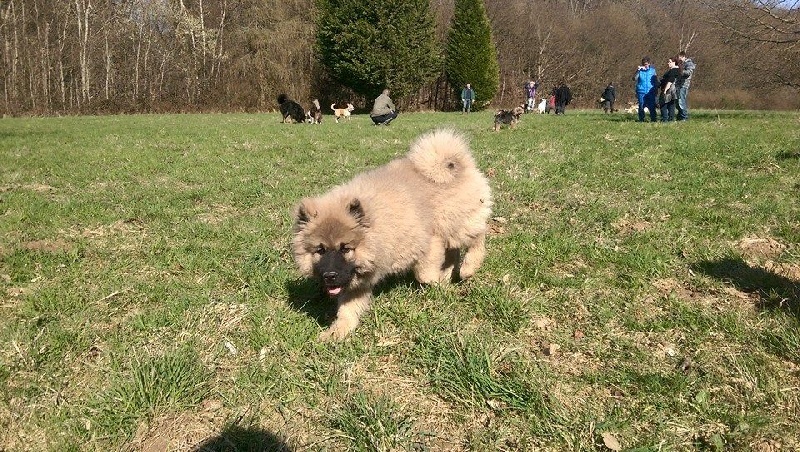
10	54
136	70
82	10
218	53
108	65
62	81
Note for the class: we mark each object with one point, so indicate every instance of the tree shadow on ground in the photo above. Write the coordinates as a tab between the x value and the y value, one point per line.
306	296
788	155
774	291
235	438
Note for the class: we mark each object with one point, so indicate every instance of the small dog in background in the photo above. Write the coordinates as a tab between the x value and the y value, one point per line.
508	117
542	107
342	110
291	111
314	116
632	109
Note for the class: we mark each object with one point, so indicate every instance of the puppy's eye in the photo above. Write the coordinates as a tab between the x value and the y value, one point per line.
320	250
345	248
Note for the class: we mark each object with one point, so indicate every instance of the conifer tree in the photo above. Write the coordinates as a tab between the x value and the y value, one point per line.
470	55
367	45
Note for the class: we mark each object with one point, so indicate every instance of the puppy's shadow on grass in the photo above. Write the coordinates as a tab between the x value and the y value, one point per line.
235	438
775	292
306	296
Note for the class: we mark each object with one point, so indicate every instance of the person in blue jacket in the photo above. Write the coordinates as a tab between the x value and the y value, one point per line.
646	87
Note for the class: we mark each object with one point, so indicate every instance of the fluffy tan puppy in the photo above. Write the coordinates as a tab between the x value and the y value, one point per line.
426	212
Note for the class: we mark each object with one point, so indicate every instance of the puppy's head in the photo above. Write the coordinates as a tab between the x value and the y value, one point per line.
327	242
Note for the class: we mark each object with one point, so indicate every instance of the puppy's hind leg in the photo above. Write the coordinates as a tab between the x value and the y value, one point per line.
473	257
348	315
428	269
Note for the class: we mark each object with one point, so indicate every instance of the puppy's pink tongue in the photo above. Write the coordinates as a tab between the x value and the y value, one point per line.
333	291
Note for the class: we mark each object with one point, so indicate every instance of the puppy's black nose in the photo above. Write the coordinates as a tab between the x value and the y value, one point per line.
330	276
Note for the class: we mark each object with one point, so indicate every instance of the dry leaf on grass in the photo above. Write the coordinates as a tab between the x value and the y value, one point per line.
611	441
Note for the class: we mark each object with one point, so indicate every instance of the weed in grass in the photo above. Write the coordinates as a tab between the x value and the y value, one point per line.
465	372
502	308
374	423
149	386
784	340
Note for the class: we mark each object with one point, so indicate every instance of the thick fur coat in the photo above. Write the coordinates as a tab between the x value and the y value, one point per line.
426	212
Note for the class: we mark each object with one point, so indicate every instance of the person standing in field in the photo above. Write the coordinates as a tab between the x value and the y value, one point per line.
608	98
530	95
467	98
667	92
563	98
646	83
686	68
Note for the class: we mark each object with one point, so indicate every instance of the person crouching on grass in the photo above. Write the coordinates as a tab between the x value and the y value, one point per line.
383	110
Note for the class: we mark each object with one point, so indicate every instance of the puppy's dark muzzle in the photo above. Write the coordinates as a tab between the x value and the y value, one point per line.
335	271
329	278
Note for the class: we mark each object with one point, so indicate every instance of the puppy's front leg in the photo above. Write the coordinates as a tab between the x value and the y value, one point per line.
351	307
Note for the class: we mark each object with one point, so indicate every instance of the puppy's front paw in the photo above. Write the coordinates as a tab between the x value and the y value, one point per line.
336	332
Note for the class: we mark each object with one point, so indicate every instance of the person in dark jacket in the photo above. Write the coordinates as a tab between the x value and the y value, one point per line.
467	98
666	91
608	98
563	97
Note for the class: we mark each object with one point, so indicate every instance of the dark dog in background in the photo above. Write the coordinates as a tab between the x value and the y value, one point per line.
508	117
314	116
291	111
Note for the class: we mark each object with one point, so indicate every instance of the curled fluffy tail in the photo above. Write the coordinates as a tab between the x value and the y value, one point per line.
441	156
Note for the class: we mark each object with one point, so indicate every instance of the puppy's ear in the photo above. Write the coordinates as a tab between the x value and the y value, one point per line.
356	210
303	213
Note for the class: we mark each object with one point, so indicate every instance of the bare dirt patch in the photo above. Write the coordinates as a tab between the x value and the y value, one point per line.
178	432
48	246
760	247
626	225
216	214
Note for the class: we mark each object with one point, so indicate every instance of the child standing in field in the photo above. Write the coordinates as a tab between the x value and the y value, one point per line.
646	83
530	96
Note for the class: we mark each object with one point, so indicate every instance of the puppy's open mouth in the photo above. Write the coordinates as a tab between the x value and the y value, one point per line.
333	290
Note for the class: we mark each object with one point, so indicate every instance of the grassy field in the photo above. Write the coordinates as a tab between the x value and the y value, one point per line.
641	290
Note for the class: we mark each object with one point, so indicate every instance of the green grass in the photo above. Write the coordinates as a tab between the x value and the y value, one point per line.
642	281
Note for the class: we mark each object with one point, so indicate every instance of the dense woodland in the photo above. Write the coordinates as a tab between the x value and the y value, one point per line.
124	56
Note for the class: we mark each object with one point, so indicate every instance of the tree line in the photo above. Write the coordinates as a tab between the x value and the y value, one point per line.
125	56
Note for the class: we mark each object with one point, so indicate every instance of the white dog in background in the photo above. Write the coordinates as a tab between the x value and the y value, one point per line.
634	108
542	107
342	110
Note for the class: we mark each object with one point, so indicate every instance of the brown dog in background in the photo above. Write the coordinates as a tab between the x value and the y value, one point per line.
507	117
